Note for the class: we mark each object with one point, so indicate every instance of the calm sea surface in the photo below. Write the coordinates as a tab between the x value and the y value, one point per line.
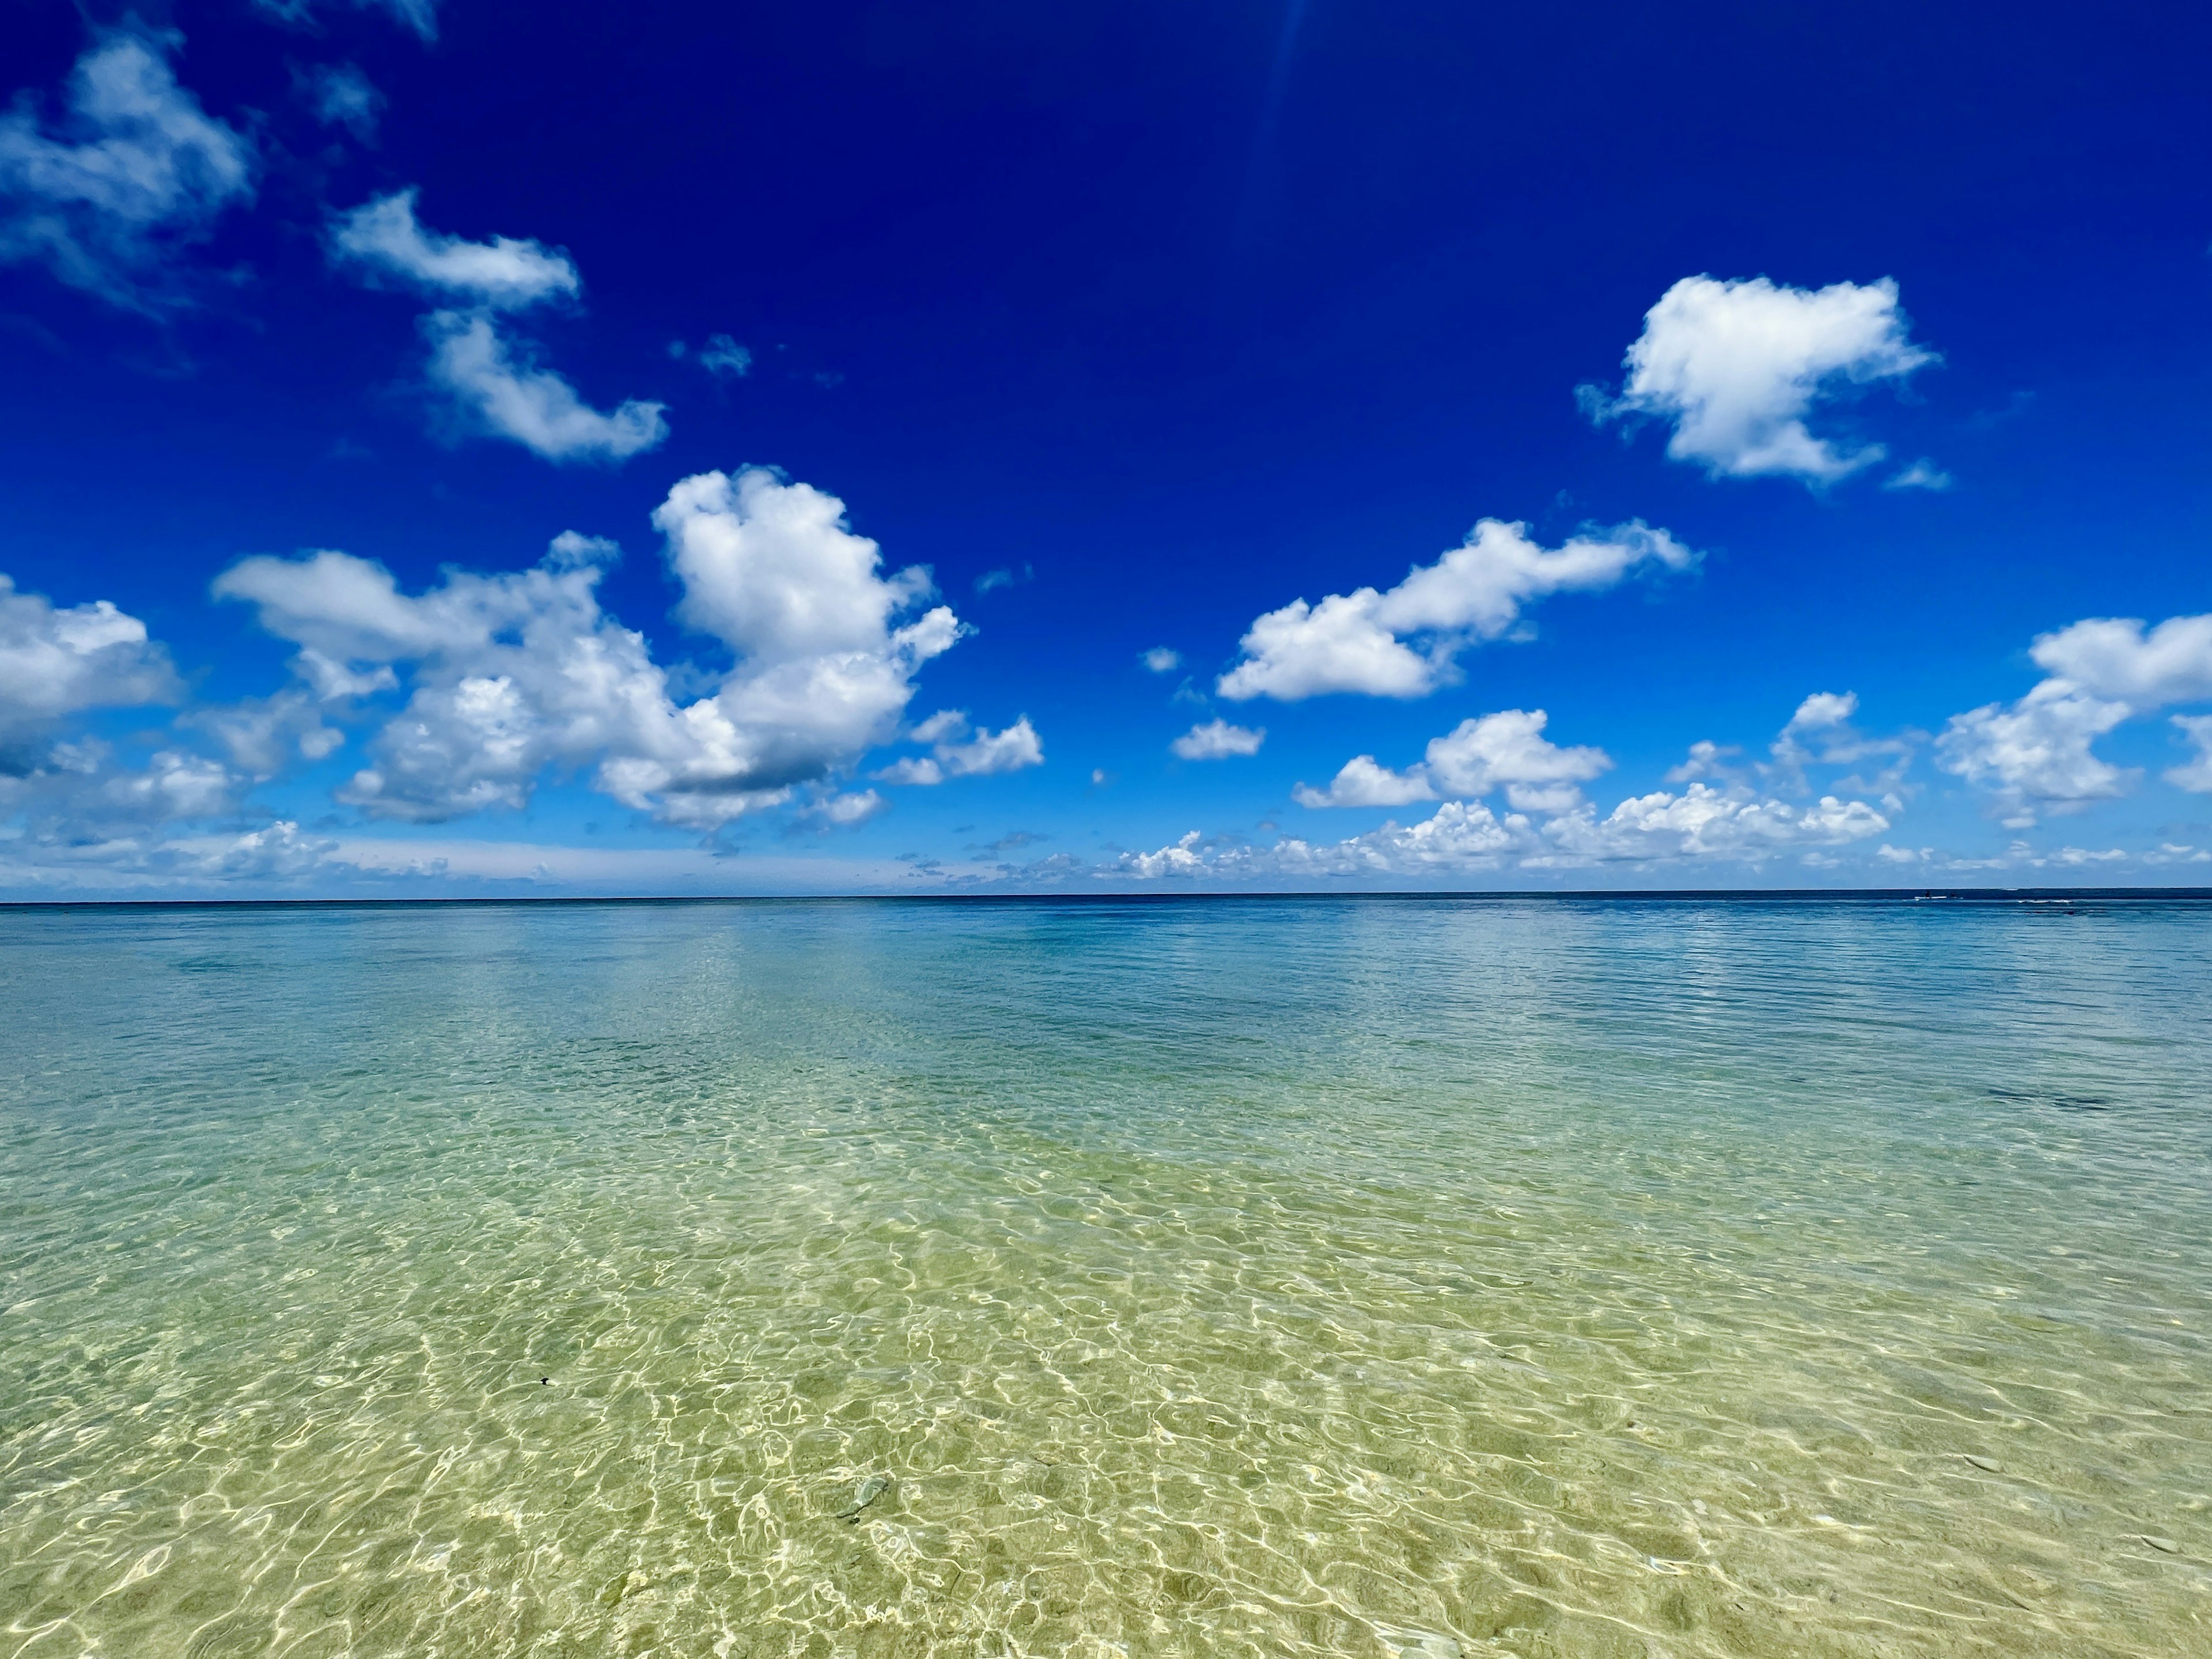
1272	1277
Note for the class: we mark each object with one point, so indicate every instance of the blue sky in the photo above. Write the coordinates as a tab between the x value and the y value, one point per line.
450	447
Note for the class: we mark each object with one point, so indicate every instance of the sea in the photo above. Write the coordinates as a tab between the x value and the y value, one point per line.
1397	1278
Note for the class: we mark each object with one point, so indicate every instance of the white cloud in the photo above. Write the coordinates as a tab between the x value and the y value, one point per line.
58	661
1705	823
1364	781
1160	660
342	96
1820	732
770	567
1706	759
993	752
725	359
1218	740
2109	657
90	859
2194	775
1737	368
515	675
490	381
847	809
1923	474
1178	857
384	238
986	754
1822	711
492	393
1507	750
1405	642
1457	836
265	735
145	172
1700	825
2035	756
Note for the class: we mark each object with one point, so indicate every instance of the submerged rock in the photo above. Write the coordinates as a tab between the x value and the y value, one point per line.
863	1495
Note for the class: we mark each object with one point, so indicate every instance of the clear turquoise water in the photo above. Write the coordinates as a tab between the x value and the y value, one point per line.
1213	1277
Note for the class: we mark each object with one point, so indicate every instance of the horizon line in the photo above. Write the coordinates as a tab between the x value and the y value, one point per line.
1910	894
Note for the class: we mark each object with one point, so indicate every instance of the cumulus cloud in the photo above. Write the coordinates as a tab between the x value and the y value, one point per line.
1458	836
514	676
2035	757
56	661
1700	825
1218	740
383	238
1702	822
73	811
1737	368
493	393
141	171
1507	750
1405	642
1160	660
2117	658
984	755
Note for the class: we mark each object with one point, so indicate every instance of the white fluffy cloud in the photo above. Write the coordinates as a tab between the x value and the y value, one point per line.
491	392
1705	823
2117	658
1458	836
59	661
489	382
1507	750
1160	660
2035	756
515	675
1218	740
143	170
1549	824
984	755
73	813
1405	642
770	567
384	238
1738	367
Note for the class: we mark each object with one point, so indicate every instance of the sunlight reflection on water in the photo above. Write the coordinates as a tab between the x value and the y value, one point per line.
1283	1278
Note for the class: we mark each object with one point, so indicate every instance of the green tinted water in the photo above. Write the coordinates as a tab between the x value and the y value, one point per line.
1283	1279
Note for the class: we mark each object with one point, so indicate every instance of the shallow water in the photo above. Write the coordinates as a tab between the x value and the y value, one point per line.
1278	1278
